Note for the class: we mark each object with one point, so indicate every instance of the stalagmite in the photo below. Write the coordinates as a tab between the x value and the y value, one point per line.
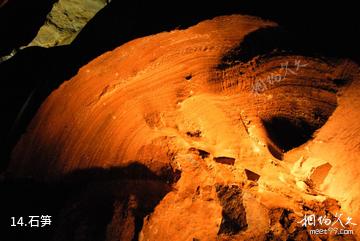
186	102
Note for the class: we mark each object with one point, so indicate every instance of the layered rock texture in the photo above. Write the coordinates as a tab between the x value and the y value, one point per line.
233	145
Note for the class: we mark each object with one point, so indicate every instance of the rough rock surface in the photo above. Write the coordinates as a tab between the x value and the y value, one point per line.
181	100
65	21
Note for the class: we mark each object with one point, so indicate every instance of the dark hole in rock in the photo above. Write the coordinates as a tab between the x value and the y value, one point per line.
188	77
203	154
197	192
233	212
340	82
288	133
225	160
196	133
170	176
306	208
261	41
274	215
252	176
287	218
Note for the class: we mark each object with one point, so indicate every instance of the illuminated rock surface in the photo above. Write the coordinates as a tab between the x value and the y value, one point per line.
252	163
65	21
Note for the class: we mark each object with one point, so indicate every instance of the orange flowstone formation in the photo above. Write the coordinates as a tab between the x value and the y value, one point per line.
170	102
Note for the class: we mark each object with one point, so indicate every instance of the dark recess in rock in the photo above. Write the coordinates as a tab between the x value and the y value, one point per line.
233	210
285	220
287	133
203	154
259	42
188	77
340	82
196	133
284	40
252	176
225	160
